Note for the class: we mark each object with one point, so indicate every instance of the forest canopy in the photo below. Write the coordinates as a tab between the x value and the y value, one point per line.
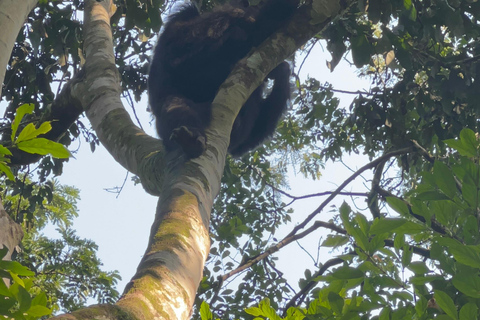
405	246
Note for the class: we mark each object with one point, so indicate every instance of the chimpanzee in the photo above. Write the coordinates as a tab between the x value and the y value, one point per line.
194	55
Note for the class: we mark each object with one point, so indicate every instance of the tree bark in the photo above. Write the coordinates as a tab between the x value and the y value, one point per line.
12	16
11	234
168	276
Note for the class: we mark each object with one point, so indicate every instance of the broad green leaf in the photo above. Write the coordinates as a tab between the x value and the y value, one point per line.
445	302
334	241
4	151
23	298
17	281
44	146
254	311
38	311
205	312
469	191
418	267
361	50
399	240
469	139
421	305
27	133
30	132
362	223
410	227
380	226
431	195
446	211
398	205
15	267
467	283
407	254
467	145
336	302
268	311
346	273
469	312
465	254
5	169
407	4
21	112
4	290
421	280
40	299
384	314
468	255
357	234
444	179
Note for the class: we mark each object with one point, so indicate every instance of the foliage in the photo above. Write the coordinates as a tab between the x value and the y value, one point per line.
66	269
18	301
28	141
420	263
433	240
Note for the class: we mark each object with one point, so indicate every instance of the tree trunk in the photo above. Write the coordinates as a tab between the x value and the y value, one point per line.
12	17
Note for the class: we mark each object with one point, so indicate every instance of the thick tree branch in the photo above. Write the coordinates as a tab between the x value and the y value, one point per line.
252	70
100	96
12	16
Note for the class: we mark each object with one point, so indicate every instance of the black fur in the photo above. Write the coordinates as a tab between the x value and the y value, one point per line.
193	57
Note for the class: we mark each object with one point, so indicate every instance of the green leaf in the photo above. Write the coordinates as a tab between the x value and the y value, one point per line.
254	311
205	312
399	240
380	226
468	255
23	298
5	169
361	50
336	302
362	223
346	273
4	290
469	312
359	237
44	146
16	267
446	303
406	255
21	112
467	283
421	305
465	254
467	145
27	133
40	299
420	280
334	241
431	195
268	311
469	191
444	179
38	311
410	227
407	4
418	267
4	151
30	132
398	205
